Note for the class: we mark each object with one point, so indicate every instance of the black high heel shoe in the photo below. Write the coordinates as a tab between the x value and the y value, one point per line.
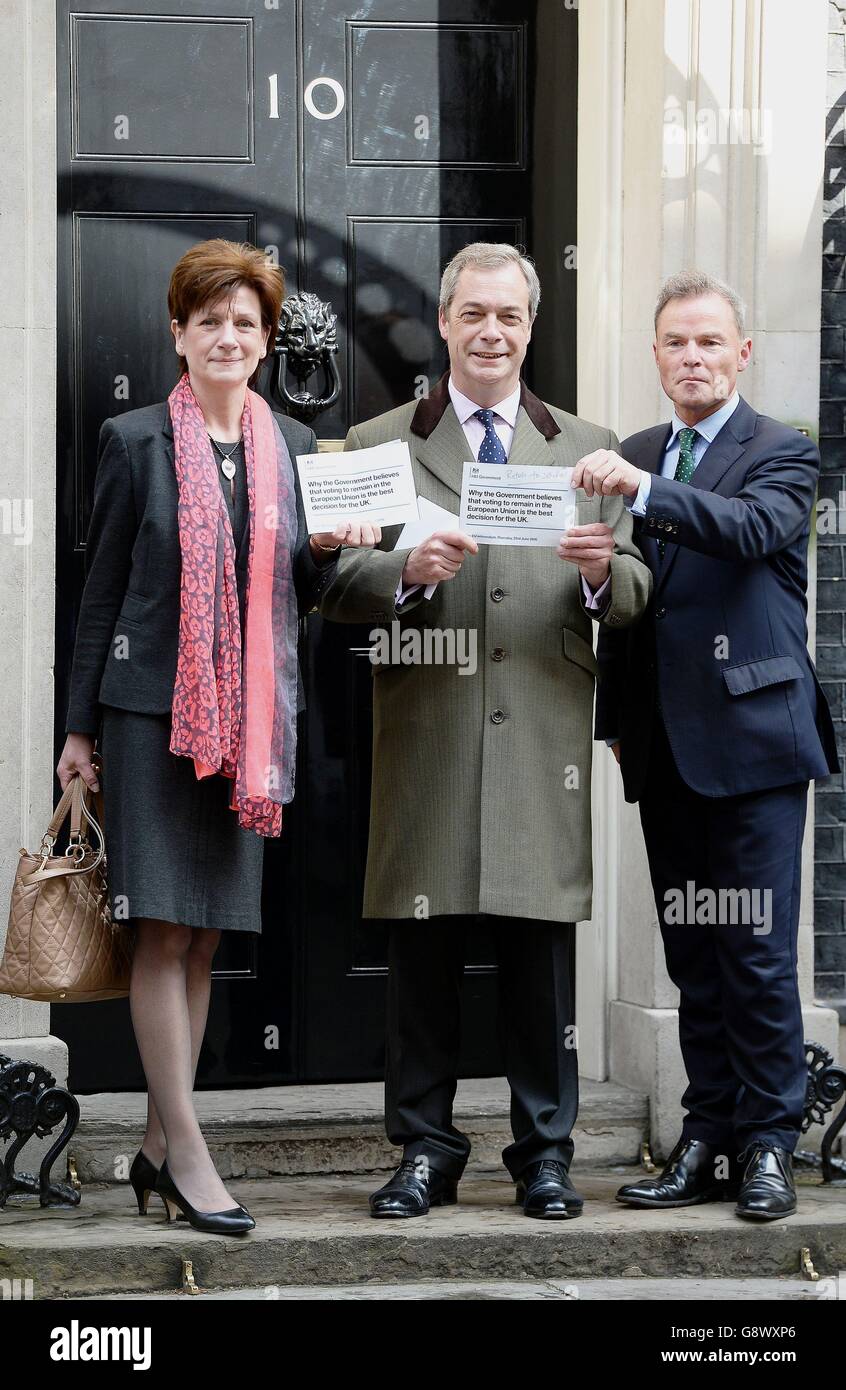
143	1175
234	1222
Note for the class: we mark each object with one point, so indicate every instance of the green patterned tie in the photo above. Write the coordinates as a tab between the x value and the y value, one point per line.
685	467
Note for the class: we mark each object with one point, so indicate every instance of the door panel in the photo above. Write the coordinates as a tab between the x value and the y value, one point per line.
402	112
162	89
115	340
394	349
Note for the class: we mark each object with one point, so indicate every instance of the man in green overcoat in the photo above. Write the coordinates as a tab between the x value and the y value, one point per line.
481	770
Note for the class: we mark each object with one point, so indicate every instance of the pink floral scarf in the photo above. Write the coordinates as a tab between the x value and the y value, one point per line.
233	717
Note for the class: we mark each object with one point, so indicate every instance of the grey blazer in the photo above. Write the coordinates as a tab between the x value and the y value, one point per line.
134	568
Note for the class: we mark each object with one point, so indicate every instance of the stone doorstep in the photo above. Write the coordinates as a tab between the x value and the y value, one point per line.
285	1130
316	1231
547	1290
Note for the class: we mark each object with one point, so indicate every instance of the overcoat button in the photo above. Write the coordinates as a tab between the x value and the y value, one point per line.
497	716
497	654
497	595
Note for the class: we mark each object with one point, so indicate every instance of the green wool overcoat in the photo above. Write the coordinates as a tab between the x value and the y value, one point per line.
481	782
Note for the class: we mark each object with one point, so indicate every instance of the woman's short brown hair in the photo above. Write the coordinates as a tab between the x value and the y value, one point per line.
215	268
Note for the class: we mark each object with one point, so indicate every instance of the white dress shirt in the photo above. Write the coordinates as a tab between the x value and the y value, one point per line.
504	413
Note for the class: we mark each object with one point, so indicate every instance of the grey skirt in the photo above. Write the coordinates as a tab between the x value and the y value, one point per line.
174	849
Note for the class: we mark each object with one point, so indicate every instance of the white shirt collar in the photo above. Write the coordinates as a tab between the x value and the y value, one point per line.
710	427
465	408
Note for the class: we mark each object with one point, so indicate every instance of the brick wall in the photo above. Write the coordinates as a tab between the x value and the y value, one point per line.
830	796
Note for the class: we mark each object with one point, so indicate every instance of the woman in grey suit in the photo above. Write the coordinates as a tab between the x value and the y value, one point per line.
185	673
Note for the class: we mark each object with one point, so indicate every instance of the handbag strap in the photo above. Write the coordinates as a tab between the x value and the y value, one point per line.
86	796
62	808
74	799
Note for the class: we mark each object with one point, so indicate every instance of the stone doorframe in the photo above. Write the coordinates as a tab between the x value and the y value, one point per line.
743	202
28	414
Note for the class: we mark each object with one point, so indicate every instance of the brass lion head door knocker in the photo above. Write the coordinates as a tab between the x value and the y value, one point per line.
307	342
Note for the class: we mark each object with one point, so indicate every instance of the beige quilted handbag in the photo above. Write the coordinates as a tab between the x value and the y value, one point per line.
62	945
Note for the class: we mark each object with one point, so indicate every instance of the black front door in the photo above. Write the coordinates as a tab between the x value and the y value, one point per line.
362	145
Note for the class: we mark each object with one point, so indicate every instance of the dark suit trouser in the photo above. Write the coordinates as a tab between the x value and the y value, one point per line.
425	968
740	1019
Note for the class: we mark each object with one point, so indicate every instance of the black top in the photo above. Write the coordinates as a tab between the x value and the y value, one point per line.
239	516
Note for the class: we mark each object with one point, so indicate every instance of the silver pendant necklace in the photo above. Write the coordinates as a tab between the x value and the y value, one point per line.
227	467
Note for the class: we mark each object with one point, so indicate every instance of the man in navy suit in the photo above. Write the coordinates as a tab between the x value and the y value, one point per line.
713	709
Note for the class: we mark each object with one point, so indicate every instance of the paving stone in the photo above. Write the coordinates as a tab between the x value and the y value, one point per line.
317	1231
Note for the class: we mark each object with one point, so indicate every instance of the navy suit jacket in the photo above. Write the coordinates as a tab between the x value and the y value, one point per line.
722	646
133	567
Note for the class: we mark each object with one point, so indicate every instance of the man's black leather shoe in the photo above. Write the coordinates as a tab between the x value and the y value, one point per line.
686	1179
413	1189
544	1189
767	1191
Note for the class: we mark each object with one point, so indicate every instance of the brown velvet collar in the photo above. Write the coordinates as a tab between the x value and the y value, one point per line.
432	407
